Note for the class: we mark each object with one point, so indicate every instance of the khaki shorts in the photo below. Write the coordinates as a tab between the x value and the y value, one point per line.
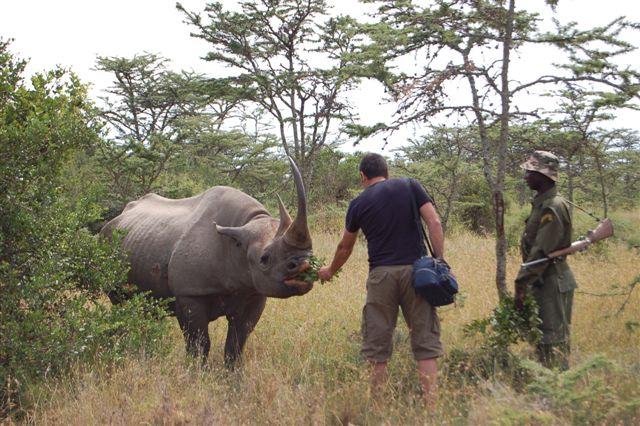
387	288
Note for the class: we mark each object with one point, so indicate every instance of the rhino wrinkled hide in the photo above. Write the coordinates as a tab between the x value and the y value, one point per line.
219	253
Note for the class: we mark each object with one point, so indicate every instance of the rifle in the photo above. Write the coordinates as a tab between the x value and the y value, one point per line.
602	231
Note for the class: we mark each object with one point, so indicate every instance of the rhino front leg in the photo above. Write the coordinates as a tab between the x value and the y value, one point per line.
241	324
193	317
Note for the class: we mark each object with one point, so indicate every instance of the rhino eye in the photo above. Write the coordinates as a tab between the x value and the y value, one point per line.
264	259
291	265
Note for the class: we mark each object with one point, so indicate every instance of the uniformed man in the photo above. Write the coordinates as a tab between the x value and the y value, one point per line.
548	228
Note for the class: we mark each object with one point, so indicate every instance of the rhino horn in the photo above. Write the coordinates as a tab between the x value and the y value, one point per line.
285	219
298	233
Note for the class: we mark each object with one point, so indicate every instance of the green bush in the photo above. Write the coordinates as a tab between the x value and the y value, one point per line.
597	391
335	178
514	222
493	356
55	313
53	272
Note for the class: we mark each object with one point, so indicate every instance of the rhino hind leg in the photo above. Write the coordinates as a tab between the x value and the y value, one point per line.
193	317
241	324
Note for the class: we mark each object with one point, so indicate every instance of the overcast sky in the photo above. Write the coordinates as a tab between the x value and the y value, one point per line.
72	33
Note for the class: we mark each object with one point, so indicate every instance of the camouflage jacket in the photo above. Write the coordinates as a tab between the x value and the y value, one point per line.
548	228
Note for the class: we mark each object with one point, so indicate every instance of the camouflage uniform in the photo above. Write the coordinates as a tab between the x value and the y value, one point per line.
548	228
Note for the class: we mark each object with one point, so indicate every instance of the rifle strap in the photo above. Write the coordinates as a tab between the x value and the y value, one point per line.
593	216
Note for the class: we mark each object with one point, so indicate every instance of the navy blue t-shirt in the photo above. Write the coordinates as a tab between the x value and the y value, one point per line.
384	213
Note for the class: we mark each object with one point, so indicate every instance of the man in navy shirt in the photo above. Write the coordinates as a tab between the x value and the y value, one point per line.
385	213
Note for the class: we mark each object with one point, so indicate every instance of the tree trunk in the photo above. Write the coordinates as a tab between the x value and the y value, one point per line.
570	184
498	192
501	245
603	186
452	195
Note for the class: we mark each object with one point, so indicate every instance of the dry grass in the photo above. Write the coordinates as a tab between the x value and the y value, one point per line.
302	365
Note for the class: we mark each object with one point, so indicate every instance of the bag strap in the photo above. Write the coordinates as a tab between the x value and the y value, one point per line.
416	216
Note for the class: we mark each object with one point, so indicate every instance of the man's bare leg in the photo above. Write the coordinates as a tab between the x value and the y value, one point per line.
378	376
428	373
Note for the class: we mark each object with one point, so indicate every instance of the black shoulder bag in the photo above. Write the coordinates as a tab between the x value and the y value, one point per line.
432	279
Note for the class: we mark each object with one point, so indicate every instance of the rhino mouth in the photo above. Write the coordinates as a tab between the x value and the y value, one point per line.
299	288
296	283
298	275
293	283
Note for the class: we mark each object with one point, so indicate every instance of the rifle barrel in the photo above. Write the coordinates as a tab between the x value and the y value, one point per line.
602	231
535	262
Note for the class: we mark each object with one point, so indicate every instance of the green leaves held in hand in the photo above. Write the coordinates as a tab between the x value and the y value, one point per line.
311	274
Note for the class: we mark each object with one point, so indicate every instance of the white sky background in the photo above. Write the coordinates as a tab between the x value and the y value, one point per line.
71	33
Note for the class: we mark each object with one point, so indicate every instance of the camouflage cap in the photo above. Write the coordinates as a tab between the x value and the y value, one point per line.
543	162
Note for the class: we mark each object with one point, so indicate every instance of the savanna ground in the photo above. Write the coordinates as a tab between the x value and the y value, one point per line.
302	363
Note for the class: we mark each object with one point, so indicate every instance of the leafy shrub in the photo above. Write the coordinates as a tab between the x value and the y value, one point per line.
54	273
592	392
506	327
56	313
335	177
627	227
328	219
514	222
473	207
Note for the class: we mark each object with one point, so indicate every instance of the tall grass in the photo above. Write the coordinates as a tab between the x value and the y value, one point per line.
302	366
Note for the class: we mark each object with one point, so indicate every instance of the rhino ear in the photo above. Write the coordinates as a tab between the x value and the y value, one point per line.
236	233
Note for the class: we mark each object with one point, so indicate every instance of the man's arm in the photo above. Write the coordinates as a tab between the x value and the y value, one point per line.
343	251
436	236
550	232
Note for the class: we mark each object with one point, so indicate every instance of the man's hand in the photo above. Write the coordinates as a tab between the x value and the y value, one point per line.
343	251
325	273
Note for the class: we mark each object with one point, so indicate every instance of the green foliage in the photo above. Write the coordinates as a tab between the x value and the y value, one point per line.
509	325
328	218
54	273
442	159
311	274
586	394
289	58
163	133
335	178
149	114
514	224
361	132
249	162
493	357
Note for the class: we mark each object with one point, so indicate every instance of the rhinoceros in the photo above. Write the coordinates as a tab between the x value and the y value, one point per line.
219	253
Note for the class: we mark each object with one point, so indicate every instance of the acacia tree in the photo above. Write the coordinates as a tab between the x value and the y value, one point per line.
246	158
288	58
626	167
581	115
471	43
443	157
149	113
